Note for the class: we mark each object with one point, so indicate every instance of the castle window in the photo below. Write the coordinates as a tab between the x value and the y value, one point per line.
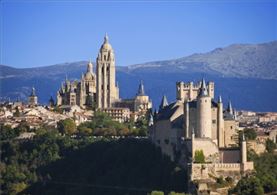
205	100
104	57
214	121
231	127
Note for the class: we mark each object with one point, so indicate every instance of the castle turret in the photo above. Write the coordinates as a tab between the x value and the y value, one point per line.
164	103
187	120
204	126
220	123
243	150
230	108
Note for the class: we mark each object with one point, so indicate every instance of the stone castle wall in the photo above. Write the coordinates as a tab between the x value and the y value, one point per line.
207	171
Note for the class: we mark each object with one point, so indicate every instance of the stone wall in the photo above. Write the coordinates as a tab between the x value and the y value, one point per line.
208	171
209	148
166	137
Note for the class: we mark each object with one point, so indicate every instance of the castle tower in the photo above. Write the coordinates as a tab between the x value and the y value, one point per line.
204	112
220	123
243	150
186	120
107	91
33	99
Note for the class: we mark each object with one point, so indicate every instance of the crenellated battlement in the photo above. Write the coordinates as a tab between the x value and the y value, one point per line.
189	91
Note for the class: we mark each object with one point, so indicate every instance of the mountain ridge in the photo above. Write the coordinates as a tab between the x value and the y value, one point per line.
257	86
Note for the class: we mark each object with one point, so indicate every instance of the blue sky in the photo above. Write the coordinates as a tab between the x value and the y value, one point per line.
39	33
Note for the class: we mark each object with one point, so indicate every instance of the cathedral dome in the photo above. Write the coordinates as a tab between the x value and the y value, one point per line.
106	45
89	76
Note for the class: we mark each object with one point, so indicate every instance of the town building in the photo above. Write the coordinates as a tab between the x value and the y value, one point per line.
33	99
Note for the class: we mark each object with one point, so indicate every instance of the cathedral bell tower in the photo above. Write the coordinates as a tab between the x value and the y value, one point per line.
107	91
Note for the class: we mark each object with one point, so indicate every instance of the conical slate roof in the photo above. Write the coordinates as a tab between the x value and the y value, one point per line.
203	89
164	102
230	108
141	89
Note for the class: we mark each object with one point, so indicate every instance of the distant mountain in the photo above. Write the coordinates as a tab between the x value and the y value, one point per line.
244	73
238	60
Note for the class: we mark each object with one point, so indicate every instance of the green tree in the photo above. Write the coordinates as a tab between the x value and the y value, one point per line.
142	126
6	132
250	133
67	126
270	146
248	186
84	130
199	156
176	193
18	187
157	193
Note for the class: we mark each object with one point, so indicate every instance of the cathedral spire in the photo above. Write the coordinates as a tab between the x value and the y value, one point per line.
90	67
106	38
164	102
141	89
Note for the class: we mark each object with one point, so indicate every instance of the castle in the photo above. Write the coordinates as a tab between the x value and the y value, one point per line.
100	91
196	123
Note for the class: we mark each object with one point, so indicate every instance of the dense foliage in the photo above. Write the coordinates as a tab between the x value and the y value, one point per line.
270	146
170	193
67	126
250	134
103	125
249	186
265	178
55	164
